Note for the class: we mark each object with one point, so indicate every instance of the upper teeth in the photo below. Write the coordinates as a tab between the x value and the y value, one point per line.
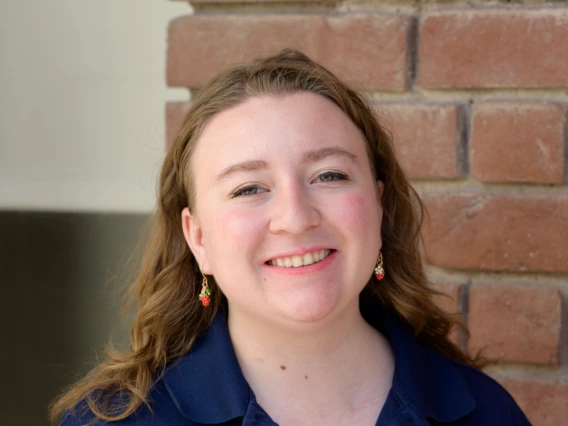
297	261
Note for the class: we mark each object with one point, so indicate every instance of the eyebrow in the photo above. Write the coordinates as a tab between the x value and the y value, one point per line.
308	157
320	154
245	166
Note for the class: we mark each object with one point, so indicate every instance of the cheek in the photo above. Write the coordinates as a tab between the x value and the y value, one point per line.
359	215
232	231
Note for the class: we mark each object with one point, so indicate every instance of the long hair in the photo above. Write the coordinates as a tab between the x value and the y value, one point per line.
170	316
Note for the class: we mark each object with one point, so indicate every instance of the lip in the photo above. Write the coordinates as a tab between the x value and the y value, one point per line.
310	269
299	252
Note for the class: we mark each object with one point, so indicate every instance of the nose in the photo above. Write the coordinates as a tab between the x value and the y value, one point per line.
295	210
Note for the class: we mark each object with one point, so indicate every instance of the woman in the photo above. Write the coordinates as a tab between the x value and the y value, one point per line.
263	297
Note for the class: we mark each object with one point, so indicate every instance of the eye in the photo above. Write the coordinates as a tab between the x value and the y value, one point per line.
330	177
247	190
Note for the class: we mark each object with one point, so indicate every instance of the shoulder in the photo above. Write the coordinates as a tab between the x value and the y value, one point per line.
493	404
162	411
438	388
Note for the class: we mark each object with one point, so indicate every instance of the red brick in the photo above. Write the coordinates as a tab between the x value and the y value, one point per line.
518	142
545	402
515	323
494	48
175	113
365	49
498	232
426	136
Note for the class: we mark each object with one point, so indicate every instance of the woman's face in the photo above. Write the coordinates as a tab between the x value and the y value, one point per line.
287	214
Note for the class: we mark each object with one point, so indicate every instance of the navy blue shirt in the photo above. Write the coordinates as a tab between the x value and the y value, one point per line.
207	387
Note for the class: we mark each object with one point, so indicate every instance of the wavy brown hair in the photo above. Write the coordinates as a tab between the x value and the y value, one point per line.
170	316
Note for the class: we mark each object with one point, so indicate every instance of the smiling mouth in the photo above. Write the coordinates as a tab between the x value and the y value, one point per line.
299	261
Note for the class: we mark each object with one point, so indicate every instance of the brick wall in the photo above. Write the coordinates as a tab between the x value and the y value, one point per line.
476	95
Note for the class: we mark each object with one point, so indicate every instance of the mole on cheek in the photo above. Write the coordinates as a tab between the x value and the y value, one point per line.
282	367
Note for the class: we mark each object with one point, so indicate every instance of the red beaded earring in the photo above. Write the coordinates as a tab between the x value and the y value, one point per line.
379	270
205	292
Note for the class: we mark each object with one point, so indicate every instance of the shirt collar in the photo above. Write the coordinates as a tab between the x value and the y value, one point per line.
423	377
208	386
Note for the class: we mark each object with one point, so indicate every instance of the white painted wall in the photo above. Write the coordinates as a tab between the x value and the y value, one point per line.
82	92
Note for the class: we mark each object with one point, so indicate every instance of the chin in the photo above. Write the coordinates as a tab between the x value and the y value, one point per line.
309	309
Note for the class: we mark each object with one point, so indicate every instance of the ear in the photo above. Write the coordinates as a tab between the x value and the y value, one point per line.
380	190
194	237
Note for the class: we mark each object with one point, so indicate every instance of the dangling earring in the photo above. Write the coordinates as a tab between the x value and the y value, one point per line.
379	270
205	292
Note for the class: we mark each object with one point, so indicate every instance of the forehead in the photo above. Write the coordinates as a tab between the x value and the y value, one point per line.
275	128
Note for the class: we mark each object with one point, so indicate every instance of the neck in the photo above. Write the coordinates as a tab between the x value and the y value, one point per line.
301	341
341	363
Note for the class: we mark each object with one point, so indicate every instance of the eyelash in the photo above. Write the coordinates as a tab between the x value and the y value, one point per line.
242	192
335	175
